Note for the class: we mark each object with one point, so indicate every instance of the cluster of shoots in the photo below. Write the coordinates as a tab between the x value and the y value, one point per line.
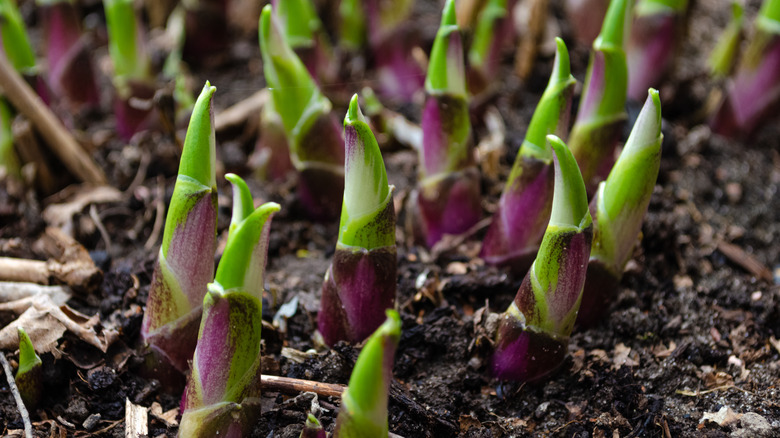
223	391
447	199
753	91
29	375
524	207
601	113
180	279
133	79
657	29
312	135
361	281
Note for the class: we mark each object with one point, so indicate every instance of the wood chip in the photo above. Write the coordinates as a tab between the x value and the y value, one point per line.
746	261
135	420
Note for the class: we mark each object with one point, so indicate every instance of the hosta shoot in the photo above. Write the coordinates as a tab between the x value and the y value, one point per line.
15	41
185	264
314	137
753	93
534	332
364	403
601	113
29	375
524	207
361	281
447	199
312	428
724	54
306	35
618	209
657	29
223	391
494	29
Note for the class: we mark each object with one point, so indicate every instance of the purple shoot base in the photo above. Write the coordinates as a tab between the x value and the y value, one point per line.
600	289
133	111
524	354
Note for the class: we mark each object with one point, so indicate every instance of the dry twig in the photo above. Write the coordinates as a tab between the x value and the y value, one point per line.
18	397
294	386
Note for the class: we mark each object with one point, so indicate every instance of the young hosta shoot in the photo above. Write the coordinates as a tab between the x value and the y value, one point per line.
534	332
585	18
9	162
363	411
271	159
306	35
447	198
313	428
361	281
15	41
133	78
352	25
29	375
657	29
223	391
185	264
70	66
392	40
753	92
724	54
602	112
524	208
492	33
314	137
618	209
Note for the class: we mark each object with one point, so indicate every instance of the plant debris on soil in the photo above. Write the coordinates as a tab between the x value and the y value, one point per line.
689	347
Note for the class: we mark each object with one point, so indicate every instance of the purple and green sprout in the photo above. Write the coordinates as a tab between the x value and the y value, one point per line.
724	54
585	18
534	331
753	92
618	208
363	412
185	264
313	135
70	71
29	375
492	33
133	79
657	30
447	199
306	35
223	391
524	207
312	428
361	281
601	114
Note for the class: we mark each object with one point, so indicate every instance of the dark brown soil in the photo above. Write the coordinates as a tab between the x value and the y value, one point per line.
691	331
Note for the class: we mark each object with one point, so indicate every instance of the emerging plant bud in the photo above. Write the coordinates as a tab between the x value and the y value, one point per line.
352	25
493	32
361	281
223	391
29	375
185	264
306	35
602	114
71	74
618	208
534	332
314	138
447	199
313	428
724	54
657	29
753	93
364	403
524	208
271	159
133	78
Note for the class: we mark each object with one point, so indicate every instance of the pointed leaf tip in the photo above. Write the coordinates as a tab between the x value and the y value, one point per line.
27	356
614	26
570	200
198	160
449	16
243	204
562	65
353	113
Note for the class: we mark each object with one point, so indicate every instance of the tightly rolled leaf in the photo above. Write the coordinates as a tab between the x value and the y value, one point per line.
352	25
601	114
71	75
524	207
618	208
363	411
724	54
306	35
223	391
657	29
753	93
361	281
313	428
133	78
447	199
493	31
534	332
185	264
29	375
314	138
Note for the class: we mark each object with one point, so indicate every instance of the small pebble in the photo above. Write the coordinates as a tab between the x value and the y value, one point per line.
91	421
734	192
